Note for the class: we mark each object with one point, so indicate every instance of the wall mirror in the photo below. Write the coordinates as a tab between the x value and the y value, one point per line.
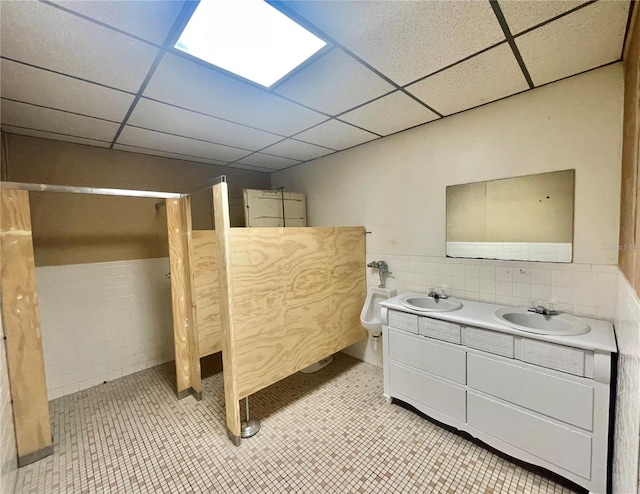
526	218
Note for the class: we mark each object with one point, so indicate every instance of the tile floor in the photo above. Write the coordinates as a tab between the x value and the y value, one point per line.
328	432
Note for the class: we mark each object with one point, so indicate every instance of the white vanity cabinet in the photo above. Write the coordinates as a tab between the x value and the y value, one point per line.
540	401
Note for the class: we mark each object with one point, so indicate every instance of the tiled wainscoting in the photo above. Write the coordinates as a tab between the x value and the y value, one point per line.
8	453
582	289
103	321
627	427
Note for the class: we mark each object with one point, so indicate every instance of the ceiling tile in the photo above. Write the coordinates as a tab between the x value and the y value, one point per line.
42	35
389	114
405	40
336	135
587	38
147	20
297	150
154	152
267	161
134	136
37	118
523	14
40	87
249	167
487	77
334	83
190	85
158	116
56	137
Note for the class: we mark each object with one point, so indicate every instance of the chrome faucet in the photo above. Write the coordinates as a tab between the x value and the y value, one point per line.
541	309
383	270
434	294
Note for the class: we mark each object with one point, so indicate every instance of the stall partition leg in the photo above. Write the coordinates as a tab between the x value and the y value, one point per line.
221	215
188	376
250	427
21	324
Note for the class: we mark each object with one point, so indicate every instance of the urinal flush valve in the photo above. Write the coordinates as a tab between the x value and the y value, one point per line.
383	271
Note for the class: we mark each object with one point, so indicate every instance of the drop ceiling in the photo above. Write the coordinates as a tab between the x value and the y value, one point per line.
105	73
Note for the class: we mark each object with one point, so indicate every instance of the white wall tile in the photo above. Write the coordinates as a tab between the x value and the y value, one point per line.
98	318
562	278
504	274
541	293
627	426
522	291
562	295
504	288
472	285
541	276
487	272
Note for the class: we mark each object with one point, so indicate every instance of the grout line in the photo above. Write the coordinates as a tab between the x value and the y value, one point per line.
507	32
179	23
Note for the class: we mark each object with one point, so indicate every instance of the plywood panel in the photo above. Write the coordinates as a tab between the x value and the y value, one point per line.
21	323
629	259
227	320
184	310
297	297
207	296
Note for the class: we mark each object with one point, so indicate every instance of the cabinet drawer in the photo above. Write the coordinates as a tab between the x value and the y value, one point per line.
559	357
489	341
555	397
404	321
431	392
428	356
566	448
440	330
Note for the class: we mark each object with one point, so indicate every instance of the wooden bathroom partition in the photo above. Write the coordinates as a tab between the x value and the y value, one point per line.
273	300
288	298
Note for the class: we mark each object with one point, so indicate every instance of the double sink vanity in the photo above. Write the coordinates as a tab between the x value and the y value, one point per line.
535	386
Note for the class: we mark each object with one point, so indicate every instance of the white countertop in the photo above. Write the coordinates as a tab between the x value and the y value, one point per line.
482	315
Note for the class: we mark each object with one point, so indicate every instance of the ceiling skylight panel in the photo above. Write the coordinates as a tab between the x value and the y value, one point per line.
249	38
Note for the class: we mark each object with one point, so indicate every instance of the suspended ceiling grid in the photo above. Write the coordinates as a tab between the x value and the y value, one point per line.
105	73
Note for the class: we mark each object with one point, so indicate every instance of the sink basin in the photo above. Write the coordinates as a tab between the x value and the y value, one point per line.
424	303
560	324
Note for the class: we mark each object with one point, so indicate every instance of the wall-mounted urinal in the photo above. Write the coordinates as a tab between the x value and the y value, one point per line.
370	318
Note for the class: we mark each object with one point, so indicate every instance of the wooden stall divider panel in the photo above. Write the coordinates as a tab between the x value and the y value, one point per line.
21	323
207	297
230	370
297	297
185	331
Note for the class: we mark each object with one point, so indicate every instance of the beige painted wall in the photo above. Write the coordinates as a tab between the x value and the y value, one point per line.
75	229
395	186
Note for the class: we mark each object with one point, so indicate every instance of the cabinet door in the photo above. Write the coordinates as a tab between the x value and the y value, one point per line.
429	356
431	392
562	446
553	396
